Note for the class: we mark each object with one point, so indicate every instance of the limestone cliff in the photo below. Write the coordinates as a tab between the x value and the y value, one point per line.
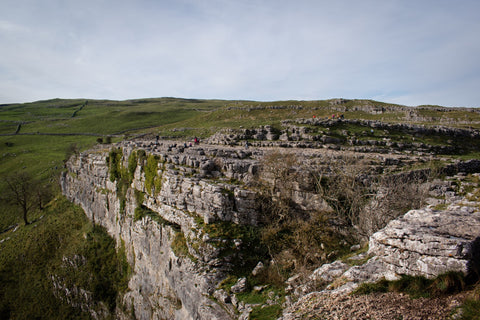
167	203
165	284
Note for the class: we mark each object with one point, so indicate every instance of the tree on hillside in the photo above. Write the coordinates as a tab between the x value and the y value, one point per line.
22	191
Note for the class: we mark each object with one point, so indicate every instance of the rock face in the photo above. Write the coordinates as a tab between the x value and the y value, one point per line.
159	206
427	242
423	242
158	199
164	284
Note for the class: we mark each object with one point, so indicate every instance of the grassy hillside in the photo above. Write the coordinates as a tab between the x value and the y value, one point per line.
36	137
35	256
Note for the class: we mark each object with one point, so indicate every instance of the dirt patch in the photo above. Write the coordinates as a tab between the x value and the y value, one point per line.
377	306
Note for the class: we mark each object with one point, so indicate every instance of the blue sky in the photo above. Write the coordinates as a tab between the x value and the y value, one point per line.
410	52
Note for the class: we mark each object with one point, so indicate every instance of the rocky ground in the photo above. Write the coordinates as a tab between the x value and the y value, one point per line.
377	306
341	304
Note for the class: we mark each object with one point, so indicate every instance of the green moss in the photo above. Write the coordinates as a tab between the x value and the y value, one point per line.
371	287
470	310
123	176
124	268
114	163
132	164
139	214
141	155
153	180
272	295
139	197
228	282
224	233
179	245
441	206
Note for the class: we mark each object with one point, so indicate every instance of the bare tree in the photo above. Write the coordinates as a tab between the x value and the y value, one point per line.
394	195
277	184
344	187
22	191
366	200
296	237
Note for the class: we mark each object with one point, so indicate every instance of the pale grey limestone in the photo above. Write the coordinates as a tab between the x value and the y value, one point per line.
196	184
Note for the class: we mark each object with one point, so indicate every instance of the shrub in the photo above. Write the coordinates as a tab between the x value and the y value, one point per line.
223	234
179	245
268	312
139	197
470	310
141	155
415	286
296	239
364	199
139	214
119	173
371	287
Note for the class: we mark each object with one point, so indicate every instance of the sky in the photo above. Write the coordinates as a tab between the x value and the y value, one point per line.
410	52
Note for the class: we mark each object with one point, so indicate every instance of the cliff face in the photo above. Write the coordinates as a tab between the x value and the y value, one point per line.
159	199
164	284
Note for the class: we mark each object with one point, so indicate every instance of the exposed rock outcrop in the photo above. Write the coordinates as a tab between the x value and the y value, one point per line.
323	133
428	242
160	204
164	284
423	242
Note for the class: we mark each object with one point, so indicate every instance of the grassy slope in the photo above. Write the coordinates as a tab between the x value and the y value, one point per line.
43	155
31	255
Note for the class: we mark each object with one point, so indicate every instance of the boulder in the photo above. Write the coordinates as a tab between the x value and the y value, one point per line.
427	242
240	286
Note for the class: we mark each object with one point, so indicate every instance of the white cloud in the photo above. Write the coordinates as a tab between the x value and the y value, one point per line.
405	52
